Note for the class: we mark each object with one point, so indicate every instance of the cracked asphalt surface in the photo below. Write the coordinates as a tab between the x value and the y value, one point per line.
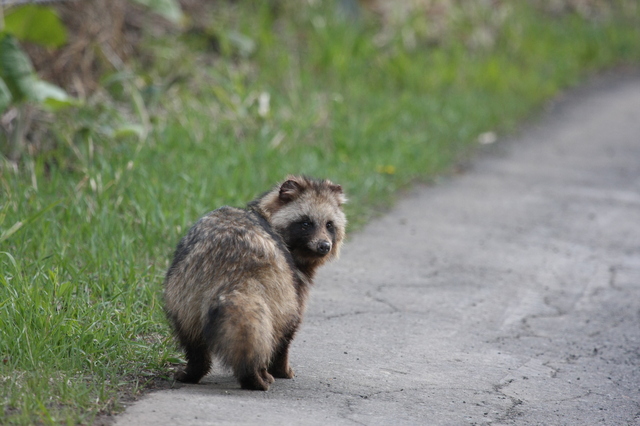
507	294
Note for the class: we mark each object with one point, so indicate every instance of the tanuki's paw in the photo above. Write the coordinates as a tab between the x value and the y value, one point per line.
268	378
282	373
184	377
256	381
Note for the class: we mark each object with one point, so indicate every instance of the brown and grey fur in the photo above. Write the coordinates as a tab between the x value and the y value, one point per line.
239	280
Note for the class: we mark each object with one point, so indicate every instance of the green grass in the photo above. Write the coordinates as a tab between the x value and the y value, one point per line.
87	229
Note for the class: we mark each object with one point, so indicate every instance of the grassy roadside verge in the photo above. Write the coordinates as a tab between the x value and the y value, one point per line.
95	221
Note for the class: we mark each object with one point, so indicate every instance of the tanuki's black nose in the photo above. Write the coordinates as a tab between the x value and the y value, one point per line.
324	247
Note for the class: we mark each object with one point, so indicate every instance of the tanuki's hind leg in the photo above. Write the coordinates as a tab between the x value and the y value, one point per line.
255	380
279	366
247	332
198	364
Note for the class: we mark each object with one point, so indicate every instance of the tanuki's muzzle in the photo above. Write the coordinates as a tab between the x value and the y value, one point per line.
322	247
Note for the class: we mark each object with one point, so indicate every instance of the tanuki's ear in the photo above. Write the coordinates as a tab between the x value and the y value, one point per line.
290	190
337	190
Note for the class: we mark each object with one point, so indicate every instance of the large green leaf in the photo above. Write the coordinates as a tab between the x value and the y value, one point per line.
46	94
169	9
14	66
5	96
22	82
38	24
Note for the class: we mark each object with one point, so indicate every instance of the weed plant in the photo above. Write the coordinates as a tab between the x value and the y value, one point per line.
87	229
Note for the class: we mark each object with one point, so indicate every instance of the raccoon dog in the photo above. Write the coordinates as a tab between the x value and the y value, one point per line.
239	279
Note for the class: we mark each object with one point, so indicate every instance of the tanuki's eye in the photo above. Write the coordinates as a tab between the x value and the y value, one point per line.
329	225
305	225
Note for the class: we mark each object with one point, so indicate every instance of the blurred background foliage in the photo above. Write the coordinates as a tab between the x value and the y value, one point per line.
88	48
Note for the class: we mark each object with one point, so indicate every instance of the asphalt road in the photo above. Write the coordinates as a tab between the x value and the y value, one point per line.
507	294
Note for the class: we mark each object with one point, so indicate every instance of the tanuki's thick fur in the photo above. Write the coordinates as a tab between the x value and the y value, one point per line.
239	279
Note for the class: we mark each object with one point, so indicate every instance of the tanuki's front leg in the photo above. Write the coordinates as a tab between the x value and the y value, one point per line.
279	366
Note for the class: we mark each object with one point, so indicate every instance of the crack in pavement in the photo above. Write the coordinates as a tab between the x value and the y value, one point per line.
512	411
383	301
